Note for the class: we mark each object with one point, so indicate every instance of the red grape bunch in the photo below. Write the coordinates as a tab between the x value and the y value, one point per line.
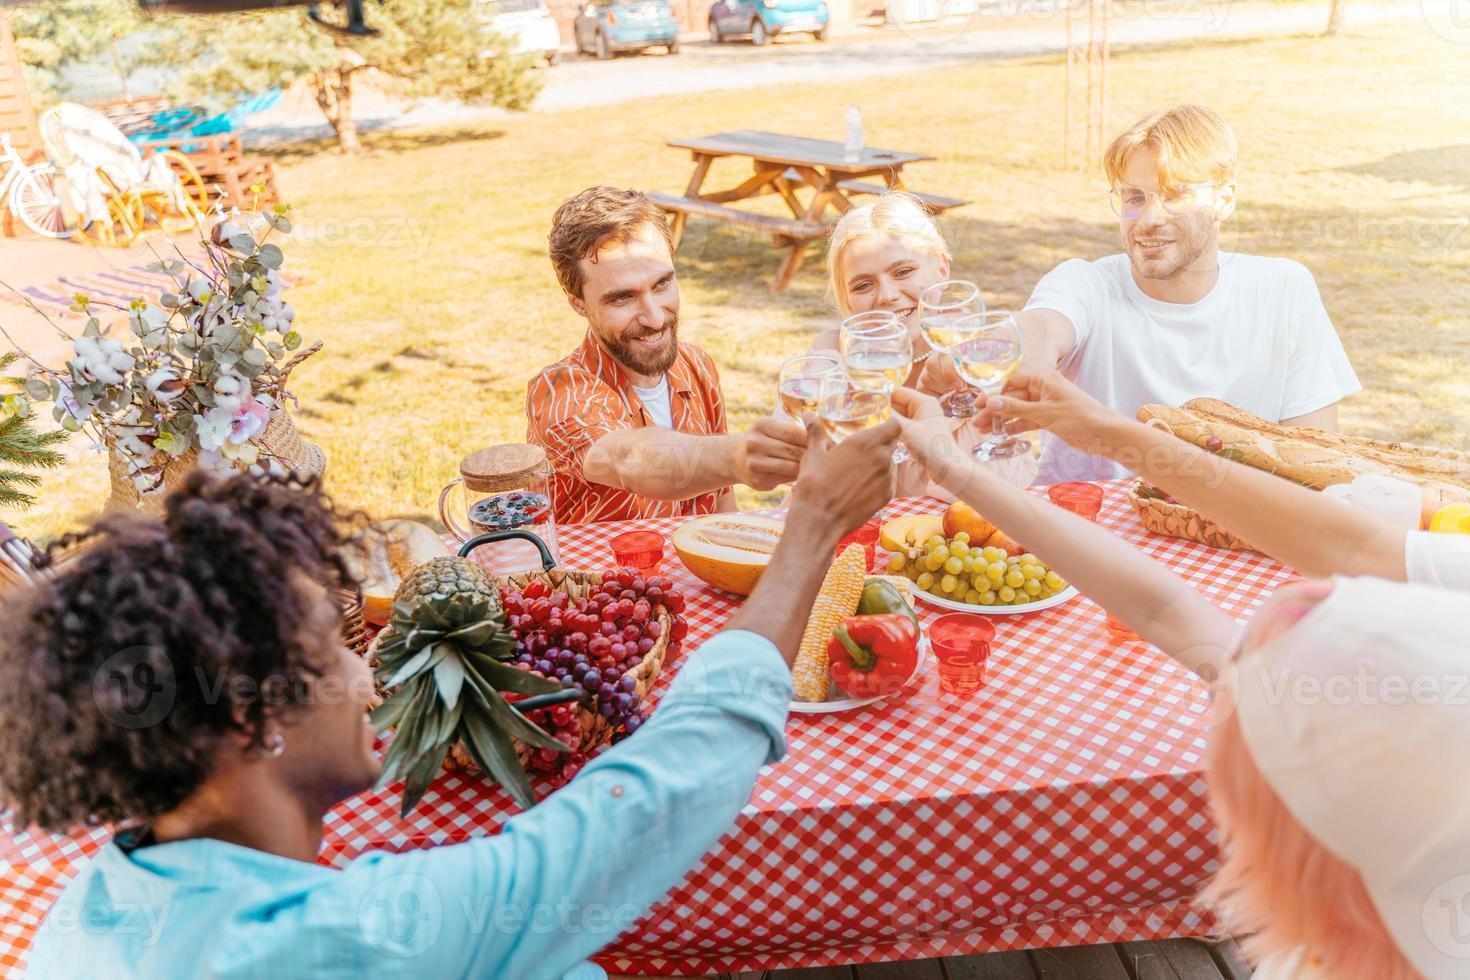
593	643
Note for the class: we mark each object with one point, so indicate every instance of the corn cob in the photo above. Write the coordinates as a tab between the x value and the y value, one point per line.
842	588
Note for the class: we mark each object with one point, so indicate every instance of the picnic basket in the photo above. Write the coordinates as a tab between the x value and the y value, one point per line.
596	731
1178	521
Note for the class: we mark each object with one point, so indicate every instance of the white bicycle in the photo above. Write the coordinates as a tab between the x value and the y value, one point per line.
32	193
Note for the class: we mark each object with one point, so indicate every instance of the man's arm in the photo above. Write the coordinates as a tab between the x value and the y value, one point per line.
566	878
1322	418
1046	337
666	464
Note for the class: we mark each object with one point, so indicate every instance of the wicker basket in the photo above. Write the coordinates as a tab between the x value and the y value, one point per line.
280	439
1179	521
595	729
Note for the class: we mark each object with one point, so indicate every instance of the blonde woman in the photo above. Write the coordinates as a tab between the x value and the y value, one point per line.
882	255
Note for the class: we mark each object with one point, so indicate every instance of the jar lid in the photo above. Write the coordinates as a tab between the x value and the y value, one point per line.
498	468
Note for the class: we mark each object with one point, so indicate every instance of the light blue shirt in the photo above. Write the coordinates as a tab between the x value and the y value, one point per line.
557	884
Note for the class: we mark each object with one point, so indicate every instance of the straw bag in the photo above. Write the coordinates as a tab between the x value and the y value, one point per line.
1179	521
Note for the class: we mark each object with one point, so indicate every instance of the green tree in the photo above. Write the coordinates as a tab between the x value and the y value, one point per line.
54	35
423	47
23	450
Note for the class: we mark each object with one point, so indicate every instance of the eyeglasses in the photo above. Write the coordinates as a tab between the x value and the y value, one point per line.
1129	202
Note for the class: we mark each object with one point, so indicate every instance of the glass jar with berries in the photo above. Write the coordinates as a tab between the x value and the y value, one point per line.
502	488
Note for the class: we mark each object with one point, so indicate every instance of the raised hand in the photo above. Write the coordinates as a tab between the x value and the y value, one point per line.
771	453
848	482
926	431
1047	400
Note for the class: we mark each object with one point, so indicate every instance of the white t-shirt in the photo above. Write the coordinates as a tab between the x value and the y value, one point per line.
1438	559
656	400
1261	341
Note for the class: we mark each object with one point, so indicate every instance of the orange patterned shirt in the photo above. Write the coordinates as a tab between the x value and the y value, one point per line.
583	397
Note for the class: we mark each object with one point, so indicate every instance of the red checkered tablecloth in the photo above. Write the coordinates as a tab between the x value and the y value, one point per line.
1062	805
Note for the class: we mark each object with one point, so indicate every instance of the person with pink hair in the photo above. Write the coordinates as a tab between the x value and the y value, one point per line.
1340	738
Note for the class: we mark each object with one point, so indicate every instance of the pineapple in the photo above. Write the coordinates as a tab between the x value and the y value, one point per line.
444	658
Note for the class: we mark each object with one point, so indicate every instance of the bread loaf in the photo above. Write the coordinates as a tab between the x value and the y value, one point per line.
1312	457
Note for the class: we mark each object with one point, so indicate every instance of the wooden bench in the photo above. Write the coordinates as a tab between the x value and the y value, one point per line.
934	202
222	163
792	233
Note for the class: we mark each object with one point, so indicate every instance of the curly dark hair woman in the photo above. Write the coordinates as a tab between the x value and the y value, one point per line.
121	679
186	680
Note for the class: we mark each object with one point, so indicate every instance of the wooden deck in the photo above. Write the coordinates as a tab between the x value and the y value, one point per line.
1171	959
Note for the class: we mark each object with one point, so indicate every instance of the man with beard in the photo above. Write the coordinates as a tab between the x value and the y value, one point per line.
633	420
1173	317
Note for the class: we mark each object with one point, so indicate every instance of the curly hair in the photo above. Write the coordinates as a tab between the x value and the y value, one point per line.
120	676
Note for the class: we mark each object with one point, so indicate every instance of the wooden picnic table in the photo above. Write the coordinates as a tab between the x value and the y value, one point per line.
811	176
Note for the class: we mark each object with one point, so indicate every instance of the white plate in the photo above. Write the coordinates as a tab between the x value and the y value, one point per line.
1066	595
847	704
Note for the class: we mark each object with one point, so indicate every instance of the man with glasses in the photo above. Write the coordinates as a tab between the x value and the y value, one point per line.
1172	317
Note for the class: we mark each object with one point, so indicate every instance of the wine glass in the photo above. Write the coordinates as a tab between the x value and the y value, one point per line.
879	359
797	383
846	407
986	350
939	305
877	354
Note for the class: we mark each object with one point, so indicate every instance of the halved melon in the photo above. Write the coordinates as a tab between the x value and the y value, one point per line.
728	551
903	533
382	553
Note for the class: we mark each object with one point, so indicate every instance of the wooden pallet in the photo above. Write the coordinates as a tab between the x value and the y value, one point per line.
1170	959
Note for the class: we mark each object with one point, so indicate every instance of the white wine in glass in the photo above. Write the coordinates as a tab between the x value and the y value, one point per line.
876	368
854	410
799	384
986	350
939	307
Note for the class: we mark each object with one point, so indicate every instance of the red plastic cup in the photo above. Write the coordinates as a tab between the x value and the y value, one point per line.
1119	632
638	550
1082	499
867	536
961	644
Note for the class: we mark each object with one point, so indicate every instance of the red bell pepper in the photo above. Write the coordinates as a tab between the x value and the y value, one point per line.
873	655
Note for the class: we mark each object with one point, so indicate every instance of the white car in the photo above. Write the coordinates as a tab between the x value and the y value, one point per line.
528	23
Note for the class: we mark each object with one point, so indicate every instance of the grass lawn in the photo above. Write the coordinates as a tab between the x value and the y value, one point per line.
429	283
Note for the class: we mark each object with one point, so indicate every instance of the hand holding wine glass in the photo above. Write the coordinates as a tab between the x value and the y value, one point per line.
986	350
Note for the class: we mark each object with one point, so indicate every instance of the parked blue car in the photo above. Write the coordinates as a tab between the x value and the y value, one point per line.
761	20
607	26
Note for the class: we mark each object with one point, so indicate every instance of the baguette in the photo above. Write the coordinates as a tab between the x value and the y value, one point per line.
1312	457
1425	464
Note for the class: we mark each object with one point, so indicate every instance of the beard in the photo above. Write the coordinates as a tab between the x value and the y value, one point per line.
1187	242
641	360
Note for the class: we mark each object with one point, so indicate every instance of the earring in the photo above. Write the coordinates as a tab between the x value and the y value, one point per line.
275	744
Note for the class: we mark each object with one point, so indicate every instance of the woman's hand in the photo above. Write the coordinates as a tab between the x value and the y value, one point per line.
926	431
939	376
1046	400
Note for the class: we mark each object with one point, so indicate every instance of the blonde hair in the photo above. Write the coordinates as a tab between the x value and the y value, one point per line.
894	217
1280	886
1194	146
